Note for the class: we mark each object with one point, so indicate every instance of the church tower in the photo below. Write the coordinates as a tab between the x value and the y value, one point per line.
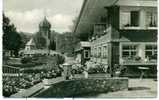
45	31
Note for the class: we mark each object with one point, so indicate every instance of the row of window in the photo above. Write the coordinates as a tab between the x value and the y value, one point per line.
100	51
128	51
131	51
132	19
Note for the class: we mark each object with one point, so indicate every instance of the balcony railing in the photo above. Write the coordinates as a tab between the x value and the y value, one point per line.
137	61
100	29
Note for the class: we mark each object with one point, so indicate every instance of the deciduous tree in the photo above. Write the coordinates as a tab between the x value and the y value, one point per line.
11	38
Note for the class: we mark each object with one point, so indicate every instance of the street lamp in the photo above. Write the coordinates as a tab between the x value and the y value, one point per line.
67	70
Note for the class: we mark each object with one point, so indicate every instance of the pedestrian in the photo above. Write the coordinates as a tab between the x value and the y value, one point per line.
142	75
85	72
73	73
117	70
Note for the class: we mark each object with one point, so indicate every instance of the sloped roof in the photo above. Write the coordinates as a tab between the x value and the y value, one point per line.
82	44
45	23
30	42
85	44
91	11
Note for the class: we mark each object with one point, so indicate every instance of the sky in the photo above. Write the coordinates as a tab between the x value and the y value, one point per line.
27	14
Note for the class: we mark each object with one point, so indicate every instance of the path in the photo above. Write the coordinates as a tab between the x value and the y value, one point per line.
145	88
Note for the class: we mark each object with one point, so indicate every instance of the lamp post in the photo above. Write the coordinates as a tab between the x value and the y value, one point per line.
67	70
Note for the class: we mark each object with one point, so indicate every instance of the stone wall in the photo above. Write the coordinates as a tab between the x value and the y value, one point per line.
77	87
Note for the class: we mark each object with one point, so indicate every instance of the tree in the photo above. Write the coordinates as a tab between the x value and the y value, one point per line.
60	43
66	43
52	45
39	40
83	36
53	36
11	38
25	38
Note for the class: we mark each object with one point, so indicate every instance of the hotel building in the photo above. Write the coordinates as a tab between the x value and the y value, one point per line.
124	32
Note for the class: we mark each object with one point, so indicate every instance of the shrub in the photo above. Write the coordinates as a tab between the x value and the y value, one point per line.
27	65
6	58
25	60
60	59
137	58
96	69
92	70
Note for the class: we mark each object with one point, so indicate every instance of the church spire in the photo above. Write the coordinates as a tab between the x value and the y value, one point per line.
45	13
45	23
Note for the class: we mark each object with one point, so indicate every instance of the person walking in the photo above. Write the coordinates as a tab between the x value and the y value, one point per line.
85	72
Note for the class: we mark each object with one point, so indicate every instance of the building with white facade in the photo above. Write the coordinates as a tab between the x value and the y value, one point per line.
124	33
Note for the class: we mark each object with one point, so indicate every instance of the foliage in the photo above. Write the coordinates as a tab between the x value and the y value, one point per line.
25	60
52	45
60	59
80	36
51	61
11	38
66	43
83	36
53	41
39	41
25	38
137	58
97	69
77	68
